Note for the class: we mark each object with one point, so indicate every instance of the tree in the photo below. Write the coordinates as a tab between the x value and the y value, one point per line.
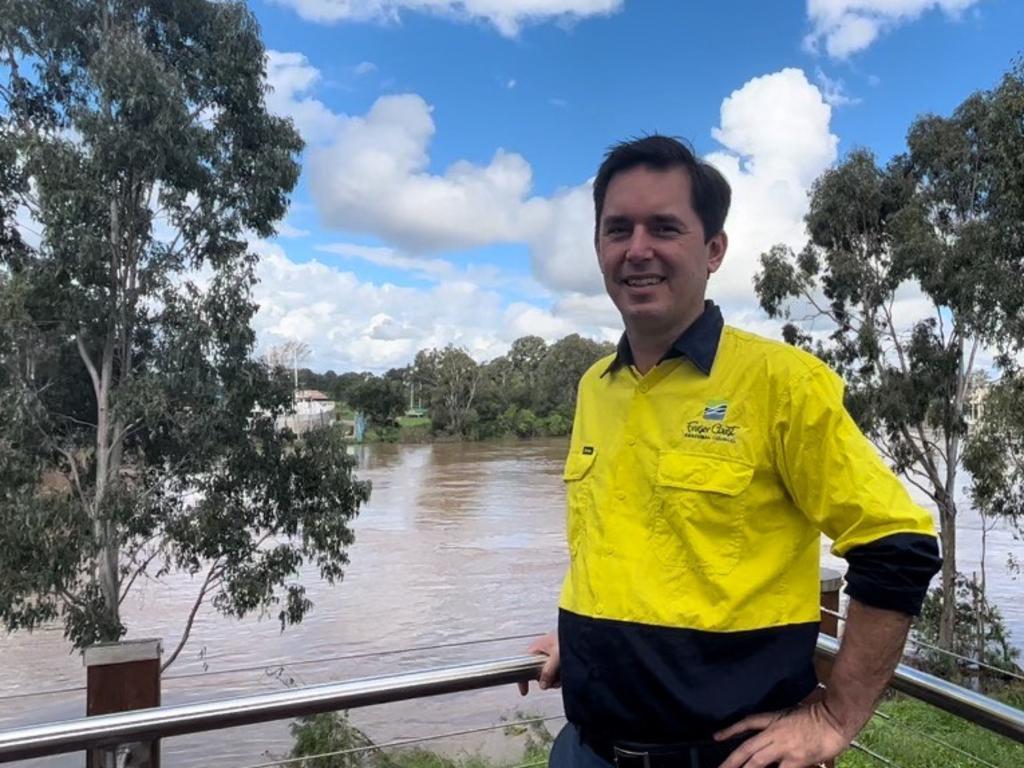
139	434
449	376
560	370
382	400
941	220
287	356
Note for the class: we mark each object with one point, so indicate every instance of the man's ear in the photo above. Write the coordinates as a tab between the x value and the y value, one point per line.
717	247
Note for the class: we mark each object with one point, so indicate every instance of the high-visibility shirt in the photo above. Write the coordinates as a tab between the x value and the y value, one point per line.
697	495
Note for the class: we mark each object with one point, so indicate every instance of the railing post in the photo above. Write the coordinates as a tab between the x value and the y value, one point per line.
120	677
831	583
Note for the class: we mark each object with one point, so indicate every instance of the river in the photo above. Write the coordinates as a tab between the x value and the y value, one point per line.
459	542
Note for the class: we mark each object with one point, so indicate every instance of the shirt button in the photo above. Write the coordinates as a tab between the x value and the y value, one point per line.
631	441
644	387
621	495
700	477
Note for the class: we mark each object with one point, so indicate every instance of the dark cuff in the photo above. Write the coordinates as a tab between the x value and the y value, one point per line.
893	572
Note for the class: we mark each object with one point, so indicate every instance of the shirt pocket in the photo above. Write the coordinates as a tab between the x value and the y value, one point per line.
579	495
699	511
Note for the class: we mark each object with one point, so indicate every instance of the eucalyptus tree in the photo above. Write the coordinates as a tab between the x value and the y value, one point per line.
939	227
139	435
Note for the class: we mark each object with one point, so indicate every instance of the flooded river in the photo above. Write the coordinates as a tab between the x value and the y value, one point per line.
460	542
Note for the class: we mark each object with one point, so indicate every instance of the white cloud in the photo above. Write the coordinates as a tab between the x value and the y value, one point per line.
511	83
507	16
374	177
388	257
834	91
351	324
365	68
284	229
849	26
291	76
775	130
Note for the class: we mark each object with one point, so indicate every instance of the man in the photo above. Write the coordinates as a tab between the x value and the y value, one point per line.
704	464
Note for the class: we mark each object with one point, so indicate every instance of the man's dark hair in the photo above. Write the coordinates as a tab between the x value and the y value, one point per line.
710	191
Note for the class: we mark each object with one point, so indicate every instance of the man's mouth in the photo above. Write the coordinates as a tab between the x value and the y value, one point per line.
643	281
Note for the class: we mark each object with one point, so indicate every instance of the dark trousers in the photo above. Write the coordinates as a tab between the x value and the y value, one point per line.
571	751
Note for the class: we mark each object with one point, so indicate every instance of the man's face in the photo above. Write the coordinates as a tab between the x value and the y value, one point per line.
651	249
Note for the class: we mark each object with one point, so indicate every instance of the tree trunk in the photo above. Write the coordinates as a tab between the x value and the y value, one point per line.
947	521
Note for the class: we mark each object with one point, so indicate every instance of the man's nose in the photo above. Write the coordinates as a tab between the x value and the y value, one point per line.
640	245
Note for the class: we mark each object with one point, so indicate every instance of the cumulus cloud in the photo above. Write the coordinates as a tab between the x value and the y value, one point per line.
364	68
291	77
374	177
777	141
507	16
351	324
848	26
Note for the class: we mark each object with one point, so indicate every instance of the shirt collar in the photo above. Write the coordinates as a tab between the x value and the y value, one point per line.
698	343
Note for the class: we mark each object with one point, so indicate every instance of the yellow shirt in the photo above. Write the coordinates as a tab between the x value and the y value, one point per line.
695	508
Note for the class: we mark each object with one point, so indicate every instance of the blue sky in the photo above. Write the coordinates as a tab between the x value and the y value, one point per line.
445	197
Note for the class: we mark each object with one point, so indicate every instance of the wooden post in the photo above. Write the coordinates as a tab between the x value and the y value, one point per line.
120	677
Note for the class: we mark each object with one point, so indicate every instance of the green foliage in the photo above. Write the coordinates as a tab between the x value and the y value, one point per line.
333	733
381	400
138	434
995	452
980	633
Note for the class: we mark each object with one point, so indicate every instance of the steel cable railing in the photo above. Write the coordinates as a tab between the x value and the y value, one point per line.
296	663
872	754
108	730
407	742
903	727
937	649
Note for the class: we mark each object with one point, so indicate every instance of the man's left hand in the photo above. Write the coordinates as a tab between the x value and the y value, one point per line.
798	738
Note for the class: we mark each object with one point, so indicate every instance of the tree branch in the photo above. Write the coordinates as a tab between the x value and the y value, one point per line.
89	365
207	585
138	571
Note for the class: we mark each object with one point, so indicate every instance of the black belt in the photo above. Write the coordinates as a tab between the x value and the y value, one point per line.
688	754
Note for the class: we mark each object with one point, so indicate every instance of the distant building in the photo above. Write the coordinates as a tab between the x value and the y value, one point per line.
312	402
977	392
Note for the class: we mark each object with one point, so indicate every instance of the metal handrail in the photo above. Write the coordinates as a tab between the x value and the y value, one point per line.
955	699
160	722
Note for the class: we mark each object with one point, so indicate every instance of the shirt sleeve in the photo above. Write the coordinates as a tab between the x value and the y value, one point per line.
838	480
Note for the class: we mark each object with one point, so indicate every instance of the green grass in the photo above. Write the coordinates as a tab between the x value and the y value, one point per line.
413	421
900	738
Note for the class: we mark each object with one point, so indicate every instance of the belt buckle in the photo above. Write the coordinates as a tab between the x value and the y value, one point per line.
645	757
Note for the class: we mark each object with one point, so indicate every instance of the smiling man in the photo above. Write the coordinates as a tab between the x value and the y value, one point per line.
705	463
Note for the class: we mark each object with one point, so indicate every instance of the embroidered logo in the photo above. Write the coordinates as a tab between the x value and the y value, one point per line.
715	410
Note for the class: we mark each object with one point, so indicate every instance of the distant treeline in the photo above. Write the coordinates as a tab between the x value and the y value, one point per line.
530	391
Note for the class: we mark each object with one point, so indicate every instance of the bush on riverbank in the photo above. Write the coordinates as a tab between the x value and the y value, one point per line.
330	740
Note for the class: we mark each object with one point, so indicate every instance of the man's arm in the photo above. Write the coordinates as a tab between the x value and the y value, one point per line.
871	647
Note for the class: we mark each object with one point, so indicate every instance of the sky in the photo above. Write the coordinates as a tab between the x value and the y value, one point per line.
445	190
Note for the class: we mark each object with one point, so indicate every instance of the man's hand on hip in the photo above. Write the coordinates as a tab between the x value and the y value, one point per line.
550	672
798	738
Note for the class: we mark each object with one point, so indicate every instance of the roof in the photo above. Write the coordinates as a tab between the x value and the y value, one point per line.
310	394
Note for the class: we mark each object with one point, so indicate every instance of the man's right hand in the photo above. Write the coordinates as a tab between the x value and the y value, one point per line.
550	672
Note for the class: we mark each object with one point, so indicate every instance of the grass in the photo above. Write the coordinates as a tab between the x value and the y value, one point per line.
904	741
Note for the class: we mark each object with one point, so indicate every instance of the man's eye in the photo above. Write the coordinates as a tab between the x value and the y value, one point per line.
667	229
